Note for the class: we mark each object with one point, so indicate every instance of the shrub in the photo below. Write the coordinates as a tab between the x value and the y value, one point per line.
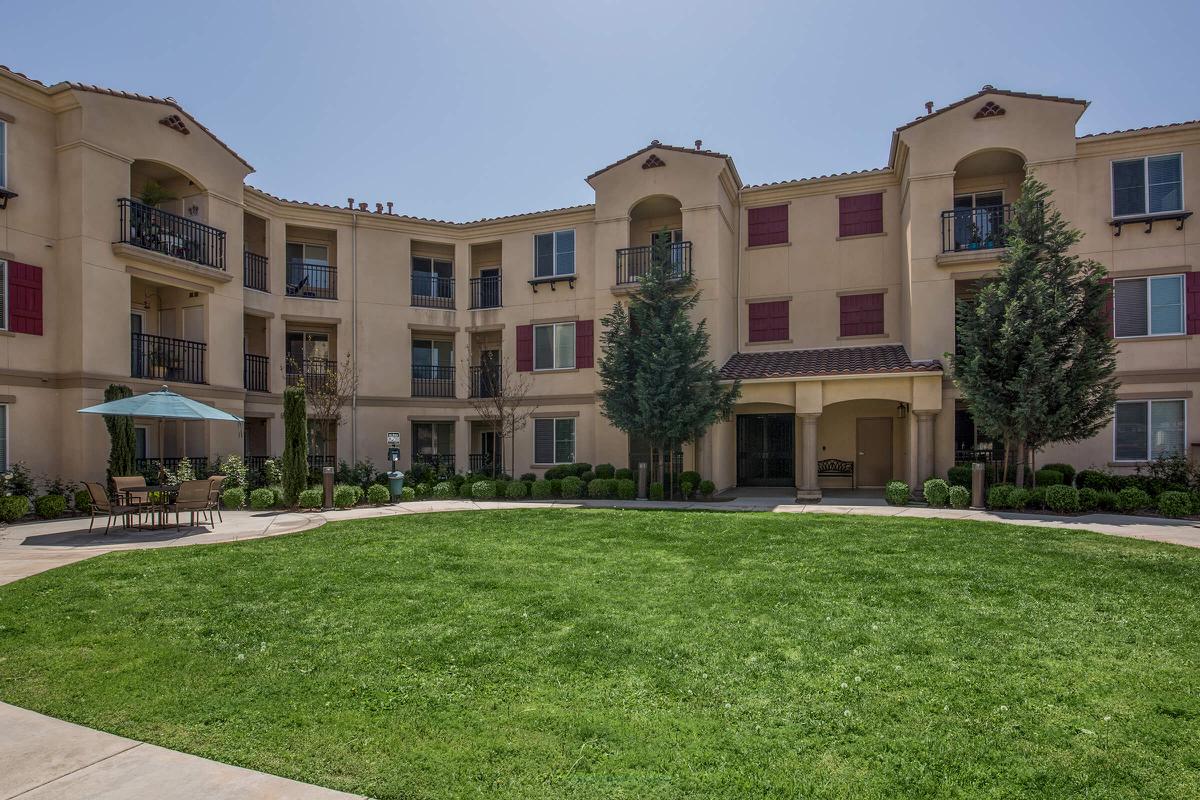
237	474
83	501
959	497
233	498
685	489
587	477
937	492
597	489
1063	499
998	496
1067	471
656	491
1131	499
572	487
959	475
1037	497
1048	477
1106	501
896	493
605	471
555	473
408	494
689	476
483	490
50	506
624	474
359	494
13	507
577	469
260	499
343	495
1094	479
707	489
517	490
1018	498
378	494
626	489
1089	499
310	498
502	487
541	490
1174	504
556	487
528	477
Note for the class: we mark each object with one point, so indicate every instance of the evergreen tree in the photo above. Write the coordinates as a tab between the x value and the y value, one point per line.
122	447
657	380
1036	357
295	445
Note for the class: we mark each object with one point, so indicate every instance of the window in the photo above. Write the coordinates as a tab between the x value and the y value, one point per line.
767	225
769	321
1150	185
860	215
307	267
432	277
3	153
1149	306
433	438
554	440
554	346
432	358
862	314
1148	429
554	254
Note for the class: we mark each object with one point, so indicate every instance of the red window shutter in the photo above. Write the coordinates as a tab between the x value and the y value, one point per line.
584	344
1111	318
1193	302
24	298
769	321
767	225
862	314
860	215
524	348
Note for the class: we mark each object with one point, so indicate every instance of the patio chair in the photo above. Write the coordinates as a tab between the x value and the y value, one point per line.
192	498
132	488
214	495
102	505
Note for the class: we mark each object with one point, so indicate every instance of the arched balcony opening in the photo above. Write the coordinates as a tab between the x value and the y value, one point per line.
656	220
167	212
985	185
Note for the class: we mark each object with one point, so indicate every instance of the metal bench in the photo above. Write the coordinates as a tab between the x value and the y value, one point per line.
836	468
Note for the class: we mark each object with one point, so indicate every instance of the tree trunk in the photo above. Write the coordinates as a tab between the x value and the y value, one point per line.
1004	474
1021	462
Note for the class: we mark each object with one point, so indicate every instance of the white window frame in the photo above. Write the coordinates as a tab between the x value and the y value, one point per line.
554	254
1146	212
554	438
3	154
554	326
1149	428
1183	322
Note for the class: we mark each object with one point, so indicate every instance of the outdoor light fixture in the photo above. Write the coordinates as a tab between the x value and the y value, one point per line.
5	196
902	410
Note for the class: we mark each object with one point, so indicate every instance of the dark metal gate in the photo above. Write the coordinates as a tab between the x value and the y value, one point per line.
766	450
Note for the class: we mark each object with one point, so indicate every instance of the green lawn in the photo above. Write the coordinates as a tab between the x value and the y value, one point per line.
572	654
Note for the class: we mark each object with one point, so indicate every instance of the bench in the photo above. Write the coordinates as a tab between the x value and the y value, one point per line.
836	468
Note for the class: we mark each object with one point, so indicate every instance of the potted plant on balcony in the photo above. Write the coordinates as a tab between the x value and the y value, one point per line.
154	193
158	361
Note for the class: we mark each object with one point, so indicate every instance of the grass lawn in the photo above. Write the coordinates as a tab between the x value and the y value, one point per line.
572	654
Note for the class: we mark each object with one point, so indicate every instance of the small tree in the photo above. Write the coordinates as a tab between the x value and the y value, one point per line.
1036	358
295	445
122	449
327	395
507	410
657	380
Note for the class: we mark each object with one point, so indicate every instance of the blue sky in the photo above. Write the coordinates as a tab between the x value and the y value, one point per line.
464	110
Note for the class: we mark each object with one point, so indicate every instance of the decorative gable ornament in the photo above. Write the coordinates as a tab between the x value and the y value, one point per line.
653	161
175	123
989	109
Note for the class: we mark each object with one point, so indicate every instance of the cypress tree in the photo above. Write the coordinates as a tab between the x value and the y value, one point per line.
122	441
295	445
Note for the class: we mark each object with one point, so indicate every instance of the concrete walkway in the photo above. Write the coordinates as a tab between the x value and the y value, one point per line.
42	757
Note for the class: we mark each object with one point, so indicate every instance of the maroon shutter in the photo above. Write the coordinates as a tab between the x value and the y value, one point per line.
768	321
860	215
862	314
584	344
524	348
24	298
767	225
1110	317
1193	303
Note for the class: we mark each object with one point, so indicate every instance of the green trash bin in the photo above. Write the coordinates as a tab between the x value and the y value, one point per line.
395	484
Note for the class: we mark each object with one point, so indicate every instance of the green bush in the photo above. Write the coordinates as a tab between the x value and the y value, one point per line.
1174	504
83	501
897	493
1094	479
378	494
311	498
626	489
344	495
1066	470
1131	499
517	490
50	506
656	491
13	507
624	474
572	487
233	498
597	489
502	487
277	492
605	471
685	489
1048	477
1089	499
707	489
1106	501
1037	497
998	496
1063	499
578	468
959	476
541	490
260	499
484	490
689	476
466	489
959	497
1018	499
587	477
937	492
408	494
443	491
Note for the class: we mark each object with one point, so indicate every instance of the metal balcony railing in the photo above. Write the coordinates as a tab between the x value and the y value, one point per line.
254	372
430	381
485	292
314	373
485	463
634	262
439	461
432	291
170	234
484	381
164	358
254	271
984	228
311	279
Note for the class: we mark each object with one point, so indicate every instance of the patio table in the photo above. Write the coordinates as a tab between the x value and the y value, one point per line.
157	509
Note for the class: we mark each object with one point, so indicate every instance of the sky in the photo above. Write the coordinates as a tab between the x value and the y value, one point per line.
456	110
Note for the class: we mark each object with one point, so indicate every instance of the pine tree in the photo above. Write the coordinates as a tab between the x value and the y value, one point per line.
1036	360
657	380
295	445
122	447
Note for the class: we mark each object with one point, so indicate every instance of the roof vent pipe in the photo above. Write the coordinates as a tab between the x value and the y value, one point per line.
389	206
699	143
379	208
349	202
928	106
362	206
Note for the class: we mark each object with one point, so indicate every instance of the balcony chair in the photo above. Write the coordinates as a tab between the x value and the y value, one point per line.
193	498
102	505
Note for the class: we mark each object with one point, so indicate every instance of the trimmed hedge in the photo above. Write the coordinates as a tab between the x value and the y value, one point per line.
50	506
444	491
959	476
484	490
959	497
1018	498
1067	471
656	491
1089	499
624	474
408	494
689	476
937	492
1094	479
1174	504
1131	499
897	493
542	490
344	495
517	490
262	499
626	489
1048	477
378	494
1063	499
572	487
597	489
83	501
605	471
310	498
998	496
14	507
234	498
707	489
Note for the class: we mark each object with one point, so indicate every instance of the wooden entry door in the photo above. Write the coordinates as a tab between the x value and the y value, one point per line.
873	464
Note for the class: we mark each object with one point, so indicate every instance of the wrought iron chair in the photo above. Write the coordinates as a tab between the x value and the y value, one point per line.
102	505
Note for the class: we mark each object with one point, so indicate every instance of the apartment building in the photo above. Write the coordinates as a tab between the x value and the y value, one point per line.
831	299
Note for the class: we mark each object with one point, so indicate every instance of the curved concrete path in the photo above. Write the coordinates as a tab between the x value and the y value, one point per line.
42	758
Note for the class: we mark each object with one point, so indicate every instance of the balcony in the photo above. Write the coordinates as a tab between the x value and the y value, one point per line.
254	271
314	374
634	262
312	279
968	229
442	462
150	467
484	382
430	381
162	358
485	292
254	372
171	235
485	463
432	291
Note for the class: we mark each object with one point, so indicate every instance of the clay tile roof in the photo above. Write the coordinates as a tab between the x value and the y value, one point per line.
990	90
1142	129
876	359
657	145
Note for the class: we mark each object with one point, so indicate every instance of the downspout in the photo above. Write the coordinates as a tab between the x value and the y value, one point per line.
354	336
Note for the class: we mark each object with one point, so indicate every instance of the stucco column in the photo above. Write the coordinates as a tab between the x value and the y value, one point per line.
925	421
462	445
809	490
